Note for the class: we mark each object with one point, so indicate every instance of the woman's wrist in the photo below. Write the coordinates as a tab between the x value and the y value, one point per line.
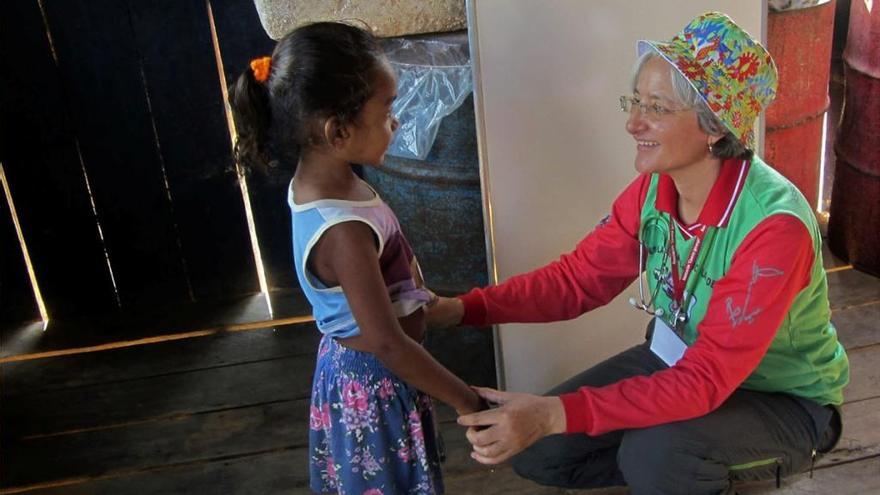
445	312
433	298
556	421
457	313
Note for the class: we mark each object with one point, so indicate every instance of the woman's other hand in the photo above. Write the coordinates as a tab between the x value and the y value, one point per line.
521	420
446	312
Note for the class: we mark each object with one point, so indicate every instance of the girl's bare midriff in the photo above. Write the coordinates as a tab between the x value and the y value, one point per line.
413	325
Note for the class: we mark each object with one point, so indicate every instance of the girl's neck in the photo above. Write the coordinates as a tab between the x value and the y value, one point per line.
320	176
694	183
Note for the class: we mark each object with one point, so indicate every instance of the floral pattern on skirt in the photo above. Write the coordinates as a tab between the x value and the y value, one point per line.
369	432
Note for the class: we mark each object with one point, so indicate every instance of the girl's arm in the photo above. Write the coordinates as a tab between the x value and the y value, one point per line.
346	254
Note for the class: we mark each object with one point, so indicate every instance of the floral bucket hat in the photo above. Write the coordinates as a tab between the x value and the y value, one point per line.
732	72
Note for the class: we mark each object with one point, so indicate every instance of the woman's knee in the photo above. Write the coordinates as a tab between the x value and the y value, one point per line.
561	460
663	459
536	462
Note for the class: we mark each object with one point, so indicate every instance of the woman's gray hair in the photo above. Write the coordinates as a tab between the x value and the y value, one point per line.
726	147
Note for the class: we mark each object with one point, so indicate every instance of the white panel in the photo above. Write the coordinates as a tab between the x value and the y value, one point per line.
554	153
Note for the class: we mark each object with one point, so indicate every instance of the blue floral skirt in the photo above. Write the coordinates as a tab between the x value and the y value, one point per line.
370	433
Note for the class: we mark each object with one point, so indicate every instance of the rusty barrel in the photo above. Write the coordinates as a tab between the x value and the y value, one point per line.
854	224
800	42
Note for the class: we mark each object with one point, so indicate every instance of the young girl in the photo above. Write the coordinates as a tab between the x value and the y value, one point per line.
322	102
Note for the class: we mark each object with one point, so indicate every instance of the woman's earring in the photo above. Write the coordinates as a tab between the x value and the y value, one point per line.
710	148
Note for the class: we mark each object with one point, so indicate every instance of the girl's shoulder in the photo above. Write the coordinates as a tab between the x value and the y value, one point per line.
322	213
302	198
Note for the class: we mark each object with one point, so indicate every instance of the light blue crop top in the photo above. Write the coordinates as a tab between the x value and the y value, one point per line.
397	262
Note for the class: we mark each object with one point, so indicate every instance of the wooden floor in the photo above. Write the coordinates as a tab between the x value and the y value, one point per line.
227	413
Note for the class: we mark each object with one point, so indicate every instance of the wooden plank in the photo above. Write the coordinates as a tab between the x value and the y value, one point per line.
159	397
241	38
185	440
166	358
857	478
17	303
71	333
42	164
284	471
186	102
123	468
857	326
849	288
289	302
864	366
829	260
502	480
457	448
264	472
272	223
100	66
861	433
240	34
224	433
174	441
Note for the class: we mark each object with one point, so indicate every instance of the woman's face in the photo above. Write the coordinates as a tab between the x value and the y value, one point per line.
667	141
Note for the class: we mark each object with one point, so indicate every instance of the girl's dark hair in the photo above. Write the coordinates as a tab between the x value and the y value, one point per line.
317	71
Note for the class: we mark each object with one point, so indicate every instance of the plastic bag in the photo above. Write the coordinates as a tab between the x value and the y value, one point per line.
434	78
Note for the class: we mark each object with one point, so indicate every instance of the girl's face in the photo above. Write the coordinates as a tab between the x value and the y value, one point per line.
372	130
670	139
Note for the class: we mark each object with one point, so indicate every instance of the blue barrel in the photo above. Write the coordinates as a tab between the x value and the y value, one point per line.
438	202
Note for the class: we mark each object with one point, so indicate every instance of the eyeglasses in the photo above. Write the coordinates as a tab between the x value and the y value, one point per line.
651	111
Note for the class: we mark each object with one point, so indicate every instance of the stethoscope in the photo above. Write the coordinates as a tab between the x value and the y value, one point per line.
647	307
680	317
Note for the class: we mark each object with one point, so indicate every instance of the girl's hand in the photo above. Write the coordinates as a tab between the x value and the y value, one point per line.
446	312
523	419
475	404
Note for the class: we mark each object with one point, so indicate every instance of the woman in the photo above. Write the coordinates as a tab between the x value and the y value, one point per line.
742	367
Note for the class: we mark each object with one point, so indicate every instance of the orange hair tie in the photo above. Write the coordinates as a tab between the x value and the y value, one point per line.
260	67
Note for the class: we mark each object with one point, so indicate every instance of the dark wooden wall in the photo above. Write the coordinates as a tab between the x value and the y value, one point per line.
123	108
15	289
241	39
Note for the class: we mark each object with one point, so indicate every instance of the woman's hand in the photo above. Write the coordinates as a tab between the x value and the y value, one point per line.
522	420
446	312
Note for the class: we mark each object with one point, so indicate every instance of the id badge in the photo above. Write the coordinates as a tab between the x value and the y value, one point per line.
666	344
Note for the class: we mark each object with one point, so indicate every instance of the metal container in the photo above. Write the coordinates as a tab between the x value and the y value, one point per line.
800	42
854	226
439	205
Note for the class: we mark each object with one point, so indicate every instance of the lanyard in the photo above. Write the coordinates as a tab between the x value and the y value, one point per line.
679	284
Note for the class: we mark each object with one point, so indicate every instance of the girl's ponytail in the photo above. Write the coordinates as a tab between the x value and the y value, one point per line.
279	104
252	115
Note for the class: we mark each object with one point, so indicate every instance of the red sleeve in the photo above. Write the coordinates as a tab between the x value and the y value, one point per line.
603	264
769	268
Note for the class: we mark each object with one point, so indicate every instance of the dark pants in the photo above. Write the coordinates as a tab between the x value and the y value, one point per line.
753	435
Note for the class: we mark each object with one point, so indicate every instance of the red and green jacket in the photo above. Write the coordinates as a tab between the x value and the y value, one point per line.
758	307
